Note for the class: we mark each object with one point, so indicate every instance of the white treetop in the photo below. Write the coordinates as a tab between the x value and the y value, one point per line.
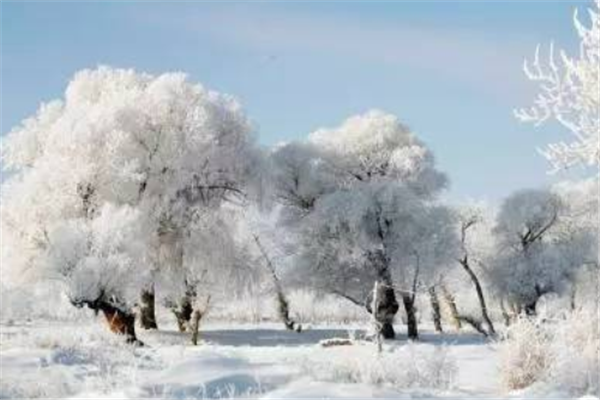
166	147
363	191
376	146
539	247
570	94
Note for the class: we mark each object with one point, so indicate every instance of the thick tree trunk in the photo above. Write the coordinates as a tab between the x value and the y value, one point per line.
183	312
387	307
411	317
452	308
435	309
147	309
387	303
120	322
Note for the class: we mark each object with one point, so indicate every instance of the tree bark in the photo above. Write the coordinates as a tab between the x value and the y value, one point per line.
435	310
283	308
195	326
387	307
573	296
147	309
411	318
197	316
484	312
283	305
452	308
387	303
183	312
476	324
505	315
120	322
530	308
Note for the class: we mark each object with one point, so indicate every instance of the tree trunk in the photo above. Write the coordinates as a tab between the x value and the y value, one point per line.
120	322
195	320
283	308
387	303
387	307
484	312
411	317
183	313
573	296
530	308
147	310
505	314
195	326
435	309
452	308
283	305
377	325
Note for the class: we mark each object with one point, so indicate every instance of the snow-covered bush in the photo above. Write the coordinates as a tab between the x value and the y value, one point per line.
553	356
407	367
575	355
525	355
67	360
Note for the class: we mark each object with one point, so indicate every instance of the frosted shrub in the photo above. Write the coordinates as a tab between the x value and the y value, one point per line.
525	355
71	360
559	355
55	337
410	366
575	353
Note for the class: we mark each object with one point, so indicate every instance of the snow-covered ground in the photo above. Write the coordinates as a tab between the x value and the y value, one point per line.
82	360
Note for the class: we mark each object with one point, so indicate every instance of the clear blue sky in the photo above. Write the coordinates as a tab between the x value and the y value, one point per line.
451	70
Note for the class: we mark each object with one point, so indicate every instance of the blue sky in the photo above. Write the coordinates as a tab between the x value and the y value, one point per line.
450	70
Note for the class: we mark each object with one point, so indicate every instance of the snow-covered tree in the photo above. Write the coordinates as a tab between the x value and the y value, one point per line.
476	245
538	248
570	94
103	261
520	269
579	236
167	148
358	200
